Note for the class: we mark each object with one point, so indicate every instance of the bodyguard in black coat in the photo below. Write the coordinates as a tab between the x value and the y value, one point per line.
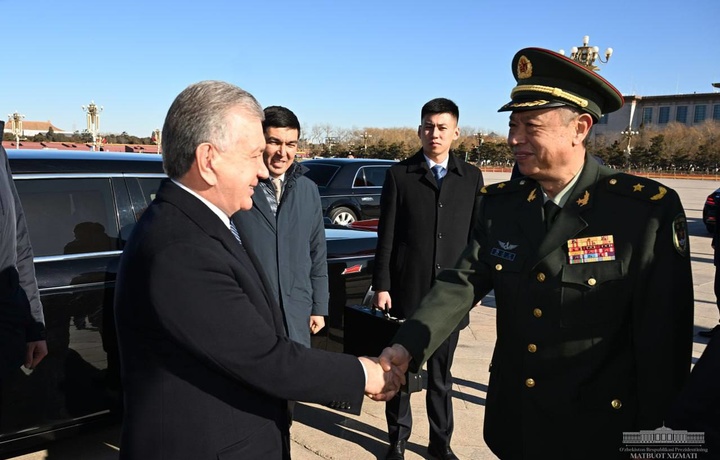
594	305
424	225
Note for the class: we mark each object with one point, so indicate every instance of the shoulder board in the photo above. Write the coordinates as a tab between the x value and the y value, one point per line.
637	187
504	187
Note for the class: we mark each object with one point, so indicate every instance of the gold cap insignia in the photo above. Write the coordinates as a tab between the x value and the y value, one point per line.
524	68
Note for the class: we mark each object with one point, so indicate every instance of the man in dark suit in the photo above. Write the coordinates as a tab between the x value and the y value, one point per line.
425	222
207	368
592	279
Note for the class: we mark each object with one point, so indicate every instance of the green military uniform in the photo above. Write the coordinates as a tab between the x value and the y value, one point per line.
594	315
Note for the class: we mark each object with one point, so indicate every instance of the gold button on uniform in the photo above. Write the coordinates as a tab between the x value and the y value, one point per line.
537	313
541	277
613	181
498	267
616	404
529	383
532	348
592	281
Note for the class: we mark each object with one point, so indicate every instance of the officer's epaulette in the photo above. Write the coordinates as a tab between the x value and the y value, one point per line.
502	187
636	187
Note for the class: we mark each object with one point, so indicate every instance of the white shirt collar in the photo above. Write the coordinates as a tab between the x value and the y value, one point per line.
562	196
431	163
224	217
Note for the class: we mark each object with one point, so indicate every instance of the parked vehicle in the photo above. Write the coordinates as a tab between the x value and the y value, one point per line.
80	208
710	211
349	188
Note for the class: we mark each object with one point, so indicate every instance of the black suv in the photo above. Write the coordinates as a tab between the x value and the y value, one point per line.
80	209
349	188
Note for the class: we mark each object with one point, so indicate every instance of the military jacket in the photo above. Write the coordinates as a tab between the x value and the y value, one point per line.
594	315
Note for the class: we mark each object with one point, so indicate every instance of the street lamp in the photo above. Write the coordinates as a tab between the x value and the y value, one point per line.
93	121
16	126
629	134
157	138
330	141
365	137
587	55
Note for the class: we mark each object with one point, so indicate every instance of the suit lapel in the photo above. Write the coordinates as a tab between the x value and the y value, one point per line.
261	203
211	224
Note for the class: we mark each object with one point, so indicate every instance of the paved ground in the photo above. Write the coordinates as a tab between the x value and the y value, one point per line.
321	433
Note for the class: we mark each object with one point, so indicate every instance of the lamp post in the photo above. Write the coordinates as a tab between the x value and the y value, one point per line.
629	134
157	138
330	141
587	55
365	137
480	141
92	112
16	126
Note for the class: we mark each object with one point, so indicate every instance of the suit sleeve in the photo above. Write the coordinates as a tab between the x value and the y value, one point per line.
200	301
318	255
25	267
386	233
663	316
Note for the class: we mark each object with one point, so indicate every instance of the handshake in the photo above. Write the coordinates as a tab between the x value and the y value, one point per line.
386	374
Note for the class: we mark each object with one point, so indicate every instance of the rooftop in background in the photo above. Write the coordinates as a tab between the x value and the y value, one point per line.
47	145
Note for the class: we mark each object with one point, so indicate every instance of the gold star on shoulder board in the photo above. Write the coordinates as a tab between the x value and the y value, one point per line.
638	187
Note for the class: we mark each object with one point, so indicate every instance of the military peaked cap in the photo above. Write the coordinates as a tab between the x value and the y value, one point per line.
548	79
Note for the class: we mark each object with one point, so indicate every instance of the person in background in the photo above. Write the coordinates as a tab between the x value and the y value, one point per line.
207	367
716	260
284	229
22	323
426	214
591	343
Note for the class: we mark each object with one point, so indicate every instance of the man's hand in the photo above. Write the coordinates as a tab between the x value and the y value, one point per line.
395	358
382	300
35	353
317	322
381	384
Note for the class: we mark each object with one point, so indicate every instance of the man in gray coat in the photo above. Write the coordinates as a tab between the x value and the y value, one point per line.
286	232
22	325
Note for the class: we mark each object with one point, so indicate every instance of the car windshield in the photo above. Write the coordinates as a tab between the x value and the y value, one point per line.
320	173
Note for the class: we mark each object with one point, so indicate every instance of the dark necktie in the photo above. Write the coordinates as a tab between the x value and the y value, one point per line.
551	212
234	231
439	173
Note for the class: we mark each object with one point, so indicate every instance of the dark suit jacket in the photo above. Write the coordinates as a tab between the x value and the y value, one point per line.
206	365
422	229
584	351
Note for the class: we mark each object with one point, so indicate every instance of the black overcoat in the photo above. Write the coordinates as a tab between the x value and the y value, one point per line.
422	229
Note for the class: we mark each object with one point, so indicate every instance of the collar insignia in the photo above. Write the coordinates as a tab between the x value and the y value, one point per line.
584	200
532	196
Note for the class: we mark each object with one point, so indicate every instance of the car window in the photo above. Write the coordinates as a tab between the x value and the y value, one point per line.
373	176
321	173
150	186
69	216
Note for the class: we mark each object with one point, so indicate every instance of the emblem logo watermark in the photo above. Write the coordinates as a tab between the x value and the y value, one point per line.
664	443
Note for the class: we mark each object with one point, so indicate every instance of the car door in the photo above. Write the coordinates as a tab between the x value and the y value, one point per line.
367	188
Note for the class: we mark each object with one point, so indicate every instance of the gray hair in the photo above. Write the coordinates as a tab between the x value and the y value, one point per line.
197	115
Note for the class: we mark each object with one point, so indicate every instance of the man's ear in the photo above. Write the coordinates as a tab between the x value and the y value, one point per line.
205	156
582	128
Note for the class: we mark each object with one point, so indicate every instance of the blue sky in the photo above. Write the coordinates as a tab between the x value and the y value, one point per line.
350	64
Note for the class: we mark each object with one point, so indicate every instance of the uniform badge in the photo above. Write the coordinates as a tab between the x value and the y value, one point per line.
584	200
506	251
661	193
680	235
524	68
591	249
532	195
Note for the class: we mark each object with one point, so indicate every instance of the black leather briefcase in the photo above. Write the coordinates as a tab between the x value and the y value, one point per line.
368	331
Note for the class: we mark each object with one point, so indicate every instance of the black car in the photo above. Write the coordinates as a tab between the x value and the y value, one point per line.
710	213
349	188
80	209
